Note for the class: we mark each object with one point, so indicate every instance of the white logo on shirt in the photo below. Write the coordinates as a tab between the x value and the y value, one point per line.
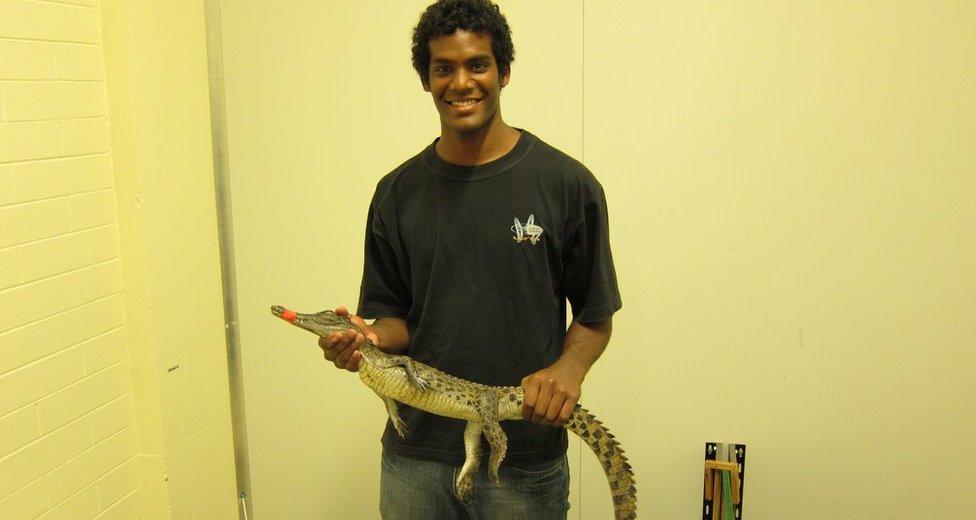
529	231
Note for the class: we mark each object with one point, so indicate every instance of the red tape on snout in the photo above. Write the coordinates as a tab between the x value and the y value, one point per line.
289	315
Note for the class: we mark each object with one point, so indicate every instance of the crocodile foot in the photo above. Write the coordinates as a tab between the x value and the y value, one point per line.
399	425
414	375
394	413
464	485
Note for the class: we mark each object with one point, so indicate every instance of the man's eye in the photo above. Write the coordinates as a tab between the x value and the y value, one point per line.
480	67
441	70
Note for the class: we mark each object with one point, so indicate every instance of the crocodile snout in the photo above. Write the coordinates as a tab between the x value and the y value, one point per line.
283	313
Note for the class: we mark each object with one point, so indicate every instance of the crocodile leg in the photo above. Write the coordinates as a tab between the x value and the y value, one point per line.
487	408
408	364
393	412
497	440
472	459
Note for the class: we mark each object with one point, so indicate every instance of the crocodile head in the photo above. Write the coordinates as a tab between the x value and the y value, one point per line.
321	323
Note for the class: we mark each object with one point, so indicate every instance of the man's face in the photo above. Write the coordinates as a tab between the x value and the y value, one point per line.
464	81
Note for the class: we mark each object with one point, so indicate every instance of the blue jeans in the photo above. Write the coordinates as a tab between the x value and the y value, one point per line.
413	489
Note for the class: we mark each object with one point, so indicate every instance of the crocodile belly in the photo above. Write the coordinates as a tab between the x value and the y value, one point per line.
394	383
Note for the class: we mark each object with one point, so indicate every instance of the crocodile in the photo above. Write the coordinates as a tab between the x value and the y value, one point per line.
401	379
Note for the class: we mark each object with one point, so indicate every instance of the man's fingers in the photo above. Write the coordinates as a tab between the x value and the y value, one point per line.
328	342
352	342
555	406
357	321
528	400
335	343
342	348
567	411
541	405
343	356
354	360
328	345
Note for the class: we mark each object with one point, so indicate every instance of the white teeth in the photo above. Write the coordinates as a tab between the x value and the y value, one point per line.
464	103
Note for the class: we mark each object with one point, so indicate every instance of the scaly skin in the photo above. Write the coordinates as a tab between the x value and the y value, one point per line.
399	379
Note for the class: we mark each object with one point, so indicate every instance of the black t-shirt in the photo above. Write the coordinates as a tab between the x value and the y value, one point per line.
480	261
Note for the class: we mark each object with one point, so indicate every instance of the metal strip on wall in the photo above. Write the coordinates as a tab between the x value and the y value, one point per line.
225	225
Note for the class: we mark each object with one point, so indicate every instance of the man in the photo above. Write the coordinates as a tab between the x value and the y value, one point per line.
472	249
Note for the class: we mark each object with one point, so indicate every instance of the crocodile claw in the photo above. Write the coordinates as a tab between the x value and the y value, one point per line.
414	375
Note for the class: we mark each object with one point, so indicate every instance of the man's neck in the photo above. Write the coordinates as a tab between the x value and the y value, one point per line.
478	148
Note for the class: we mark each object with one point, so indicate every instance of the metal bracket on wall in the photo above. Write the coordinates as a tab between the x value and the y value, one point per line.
721	491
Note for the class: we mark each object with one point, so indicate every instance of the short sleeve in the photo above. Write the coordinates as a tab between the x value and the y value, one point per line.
383	292
590	278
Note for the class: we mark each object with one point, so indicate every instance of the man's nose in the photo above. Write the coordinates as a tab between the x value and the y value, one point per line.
461	80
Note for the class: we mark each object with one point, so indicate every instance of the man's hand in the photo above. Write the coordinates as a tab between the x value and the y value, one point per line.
551	394
342	349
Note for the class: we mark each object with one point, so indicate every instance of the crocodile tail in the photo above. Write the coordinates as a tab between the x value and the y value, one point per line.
621	477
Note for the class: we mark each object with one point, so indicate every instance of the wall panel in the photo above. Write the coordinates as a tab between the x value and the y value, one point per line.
791	200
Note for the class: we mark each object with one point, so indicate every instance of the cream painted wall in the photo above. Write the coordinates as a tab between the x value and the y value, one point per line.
158	91
791	200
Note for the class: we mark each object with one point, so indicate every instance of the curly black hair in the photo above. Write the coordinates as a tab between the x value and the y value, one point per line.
444	17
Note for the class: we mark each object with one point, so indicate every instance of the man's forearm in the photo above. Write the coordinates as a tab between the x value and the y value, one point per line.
392	333
584	344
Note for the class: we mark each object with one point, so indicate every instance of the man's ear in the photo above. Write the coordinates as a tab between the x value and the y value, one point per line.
506	76
425	84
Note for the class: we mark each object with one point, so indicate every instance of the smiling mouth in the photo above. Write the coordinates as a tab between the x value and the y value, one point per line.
464	103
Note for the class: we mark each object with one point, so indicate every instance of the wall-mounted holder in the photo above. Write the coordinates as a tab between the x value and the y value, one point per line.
725	466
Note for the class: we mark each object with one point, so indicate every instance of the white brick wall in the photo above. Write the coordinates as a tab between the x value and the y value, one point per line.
67	434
